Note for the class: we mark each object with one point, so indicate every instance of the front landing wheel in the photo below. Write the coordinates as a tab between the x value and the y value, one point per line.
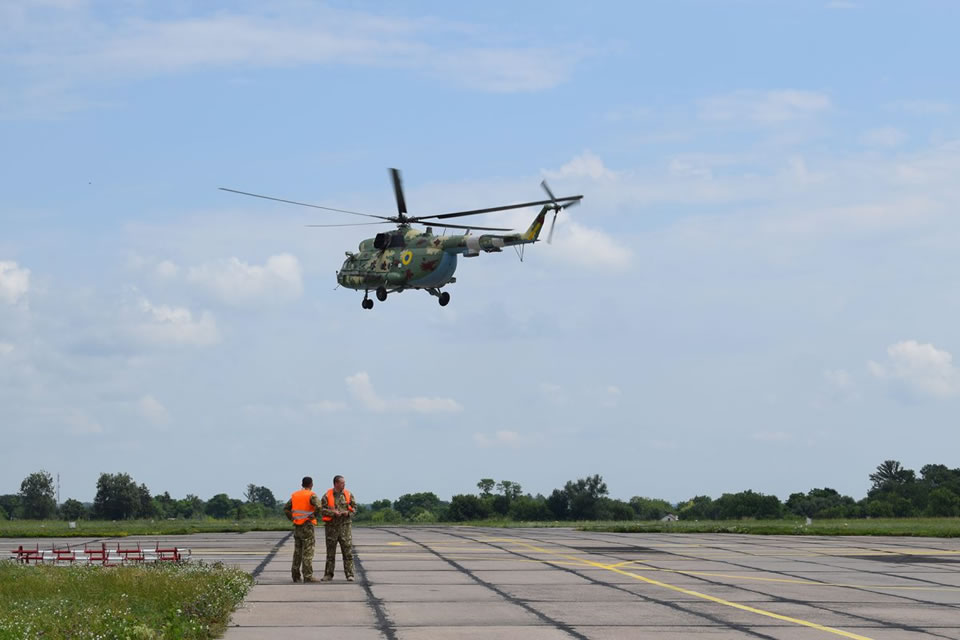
381	294
367	303
444	299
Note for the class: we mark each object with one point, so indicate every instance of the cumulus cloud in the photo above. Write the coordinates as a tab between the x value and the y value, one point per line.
14	281
236	282
585	165
153	410
165	325
502	438
588	247
361	388
922	368
764	107
167	270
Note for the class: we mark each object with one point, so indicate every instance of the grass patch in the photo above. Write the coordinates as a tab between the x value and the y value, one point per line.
122	528
926	527
143	602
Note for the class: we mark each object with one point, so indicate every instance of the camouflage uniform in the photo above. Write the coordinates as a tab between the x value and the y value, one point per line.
304	541
338	530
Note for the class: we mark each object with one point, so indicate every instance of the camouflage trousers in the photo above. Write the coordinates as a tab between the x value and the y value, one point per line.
303	545
344	535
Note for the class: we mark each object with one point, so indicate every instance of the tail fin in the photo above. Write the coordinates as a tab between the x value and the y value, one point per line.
533	232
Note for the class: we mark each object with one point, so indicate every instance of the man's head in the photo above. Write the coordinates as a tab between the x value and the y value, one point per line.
339	483
307	482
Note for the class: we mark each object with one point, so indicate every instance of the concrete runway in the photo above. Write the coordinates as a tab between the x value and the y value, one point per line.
465	582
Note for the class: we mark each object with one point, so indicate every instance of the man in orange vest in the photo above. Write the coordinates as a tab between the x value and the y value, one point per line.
337	507
302	509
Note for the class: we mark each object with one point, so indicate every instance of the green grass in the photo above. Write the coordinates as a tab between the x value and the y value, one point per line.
144	602
927	527
122	528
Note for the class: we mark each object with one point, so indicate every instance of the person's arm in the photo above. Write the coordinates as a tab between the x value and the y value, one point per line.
288	509
329	510
315	503
352	507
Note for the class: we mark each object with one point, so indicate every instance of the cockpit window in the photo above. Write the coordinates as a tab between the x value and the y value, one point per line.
389	241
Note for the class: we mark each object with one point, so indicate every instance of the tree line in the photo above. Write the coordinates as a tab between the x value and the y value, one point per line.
895	492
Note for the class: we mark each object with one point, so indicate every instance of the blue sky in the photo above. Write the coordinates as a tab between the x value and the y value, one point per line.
757	291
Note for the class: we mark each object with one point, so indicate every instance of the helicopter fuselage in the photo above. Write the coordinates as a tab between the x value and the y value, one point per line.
411	259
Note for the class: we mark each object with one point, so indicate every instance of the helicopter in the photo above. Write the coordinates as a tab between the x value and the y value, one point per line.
407	258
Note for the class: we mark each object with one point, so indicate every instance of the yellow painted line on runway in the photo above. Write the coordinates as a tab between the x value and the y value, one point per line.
697	594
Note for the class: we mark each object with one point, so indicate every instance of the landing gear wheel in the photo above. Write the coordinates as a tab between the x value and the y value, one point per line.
381	294
367	303
444	299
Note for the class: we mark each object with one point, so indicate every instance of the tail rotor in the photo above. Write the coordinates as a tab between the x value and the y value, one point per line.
557	208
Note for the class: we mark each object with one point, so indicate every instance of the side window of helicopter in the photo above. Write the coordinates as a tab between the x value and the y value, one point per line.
396	241
382	241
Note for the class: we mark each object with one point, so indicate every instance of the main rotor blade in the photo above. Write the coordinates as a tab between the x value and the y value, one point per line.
460	226
304	204
350	224
543	183
398	191
474	212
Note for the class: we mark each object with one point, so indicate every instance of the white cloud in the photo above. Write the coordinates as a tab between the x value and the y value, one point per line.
884	137
176	326
14	281
167	270
588	247
5	348
764	107
921	367
503	438
361	388
585	165
153	410
236	282
65	50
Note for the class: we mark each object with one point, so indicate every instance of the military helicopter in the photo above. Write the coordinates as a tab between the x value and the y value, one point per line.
407	258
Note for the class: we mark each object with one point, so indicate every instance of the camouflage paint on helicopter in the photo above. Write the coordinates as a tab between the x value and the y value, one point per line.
403	259
412	259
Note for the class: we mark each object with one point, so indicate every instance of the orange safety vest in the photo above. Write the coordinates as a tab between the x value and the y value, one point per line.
331	503
303	511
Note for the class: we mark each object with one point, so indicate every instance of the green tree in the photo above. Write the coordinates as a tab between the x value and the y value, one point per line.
3	514
510	490
697	508
381	504
220	506
165	506
584	496
36	496
890	473
486	486
190	507
943	503
74	510
529	509
559	504
650	508
260	495
610	509
118	497
11	504
406	503
465	507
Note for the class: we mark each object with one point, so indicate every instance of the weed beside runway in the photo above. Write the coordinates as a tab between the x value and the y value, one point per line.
155	601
